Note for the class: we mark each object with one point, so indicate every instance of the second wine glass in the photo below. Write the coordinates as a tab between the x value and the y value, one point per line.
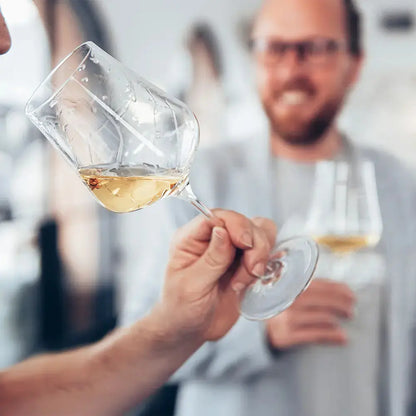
345	215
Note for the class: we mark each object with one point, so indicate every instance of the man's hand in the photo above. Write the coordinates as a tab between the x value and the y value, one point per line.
208	267
314	318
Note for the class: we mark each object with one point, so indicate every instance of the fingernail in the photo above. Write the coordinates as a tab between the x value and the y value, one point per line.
218	236
247	239
258	270
219	232
238	287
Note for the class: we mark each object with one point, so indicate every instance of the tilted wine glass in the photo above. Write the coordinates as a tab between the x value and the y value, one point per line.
132	145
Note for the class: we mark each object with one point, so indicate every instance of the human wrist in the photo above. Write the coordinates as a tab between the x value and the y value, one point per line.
166	331
152	346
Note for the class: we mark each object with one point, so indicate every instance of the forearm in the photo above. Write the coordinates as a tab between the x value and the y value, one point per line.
46	384
104	379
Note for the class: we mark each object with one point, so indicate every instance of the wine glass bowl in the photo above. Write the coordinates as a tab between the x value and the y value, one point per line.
345	214
130	143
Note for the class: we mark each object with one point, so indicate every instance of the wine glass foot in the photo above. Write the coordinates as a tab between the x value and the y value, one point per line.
288	273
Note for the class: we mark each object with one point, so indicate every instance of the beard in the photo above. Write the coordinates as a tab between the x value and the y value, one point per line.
303	133
295	129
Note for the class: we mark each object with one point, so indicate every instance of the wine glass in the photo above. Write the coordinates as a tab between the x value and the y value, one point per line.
345	214
133	145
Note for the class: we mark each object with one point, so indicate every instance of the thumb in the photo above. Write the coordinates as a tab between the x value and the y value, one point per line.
216	259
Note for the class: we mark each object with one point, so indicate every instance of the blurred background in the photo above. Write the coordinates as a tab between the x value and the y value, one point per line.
59	254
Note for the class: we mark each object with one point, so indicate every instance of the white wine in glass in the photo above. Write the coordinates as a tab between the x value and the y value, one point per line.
132	145
343	244
127	189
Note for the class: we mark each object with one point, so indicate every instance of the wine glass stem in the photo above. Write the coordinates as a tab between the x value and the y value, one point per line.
338	266
187	194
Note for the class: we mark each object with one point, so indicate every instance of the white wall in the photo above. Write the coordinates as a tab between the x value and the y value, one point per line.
148	33
381	111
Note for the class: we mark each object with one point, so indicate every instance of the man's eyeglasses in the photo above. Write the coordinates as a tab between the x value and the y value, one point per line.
313	52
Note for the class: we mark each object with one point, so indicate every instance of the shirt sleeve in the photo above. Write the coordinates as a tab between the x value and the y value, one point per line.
144	250
241	354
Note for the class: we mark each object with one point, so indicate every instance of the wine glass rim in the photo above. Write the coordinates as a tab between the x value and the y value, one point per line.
59	66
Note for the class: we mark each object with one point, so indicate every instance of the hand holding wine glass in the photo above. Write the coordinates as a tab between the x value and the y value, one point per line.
133	145
344	218
207	305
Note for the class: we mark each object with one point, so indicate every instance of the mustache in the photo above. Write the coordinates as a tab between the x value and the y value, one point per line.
300	84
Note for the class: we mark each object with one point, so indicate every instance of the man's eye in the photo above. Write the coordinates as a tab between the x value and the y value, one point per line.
277	48
332	47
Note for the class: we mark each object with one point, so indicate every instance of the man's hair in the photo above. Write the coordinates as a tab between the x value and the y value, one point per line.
353	20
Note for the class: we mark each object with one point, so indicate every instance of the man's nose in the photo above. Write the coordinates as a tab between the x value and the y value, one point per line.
290	65
5	41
